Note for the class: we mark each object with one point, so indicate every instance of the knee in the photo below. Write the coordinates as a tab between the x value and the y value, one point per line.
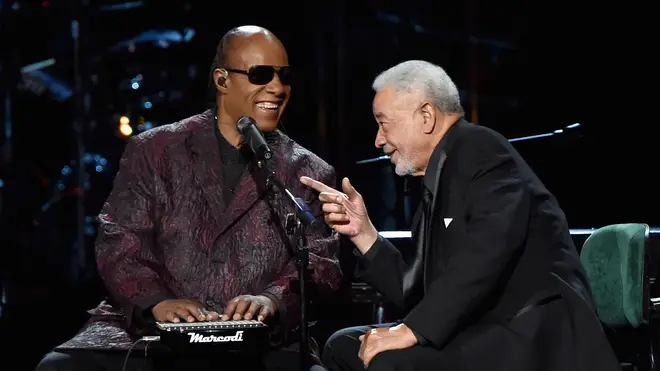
342	338
342	343
55	361
389	361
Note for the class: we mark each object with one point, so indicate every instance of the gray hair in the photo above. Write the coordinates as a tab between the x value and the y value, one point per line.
425	77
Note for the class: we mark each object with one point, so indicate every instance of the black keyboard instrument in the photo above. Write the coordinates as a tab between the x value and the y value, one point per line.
244	336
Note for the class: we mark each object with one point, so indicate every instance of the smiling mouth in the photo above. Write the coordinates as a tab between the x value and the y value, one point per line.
269	106
390	155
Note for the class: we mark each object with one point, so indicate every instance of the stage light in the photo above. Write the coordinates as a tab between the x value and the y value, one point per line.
126	130
125	126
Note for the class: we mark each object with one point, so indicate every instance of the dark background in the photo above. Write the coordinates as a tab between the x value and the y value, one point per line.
521	70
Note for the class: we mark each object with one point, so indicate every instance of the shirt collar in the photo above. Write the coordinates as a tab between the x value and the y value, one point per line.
430	178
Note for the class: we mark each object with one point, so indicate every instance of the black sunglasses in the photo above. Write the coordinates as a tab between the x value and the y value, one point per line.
262	75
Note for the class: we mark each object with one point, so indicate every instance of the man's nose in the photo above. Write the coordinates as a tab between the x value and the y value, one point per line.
275	86
380	139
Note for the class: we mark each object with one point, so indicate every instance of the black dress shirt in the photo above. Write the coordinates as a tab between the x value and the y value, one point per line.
233	164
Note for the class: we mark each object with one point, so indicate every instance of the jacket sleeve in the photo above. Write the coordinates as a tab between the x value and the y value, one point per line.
497	218
124	246
383	267
323	245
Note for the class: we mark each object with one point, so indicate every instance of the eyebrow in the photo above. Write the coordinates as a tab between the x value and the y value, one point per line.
380	115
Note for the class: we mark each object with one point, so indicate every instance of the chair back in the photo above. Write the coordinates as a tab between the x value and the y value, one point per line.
614	260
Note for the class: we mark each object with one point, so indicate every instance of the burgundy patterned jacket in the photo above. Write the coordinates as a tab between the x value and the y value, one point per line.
165	231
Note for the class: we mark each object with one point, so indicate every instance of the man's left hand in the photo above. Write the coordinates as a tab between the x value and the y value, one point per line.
248	307
387	338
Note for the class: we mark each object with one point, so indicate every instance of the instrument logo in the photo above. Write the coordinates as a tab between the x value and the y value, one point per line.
199	338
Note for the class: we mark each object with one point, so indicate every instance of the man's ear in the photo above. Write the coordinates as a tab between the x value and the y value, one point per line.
220	79
429	116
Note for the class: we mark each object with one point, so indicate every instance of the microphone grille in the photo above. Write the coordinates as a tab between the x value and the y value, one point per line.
244	122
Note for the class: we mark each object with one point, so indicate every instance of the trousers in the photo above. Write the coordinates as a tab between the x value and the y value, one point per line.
341	354
555	336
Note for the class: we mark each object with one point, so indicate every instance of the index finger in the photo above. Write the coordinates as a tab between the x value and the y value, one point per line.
195	311
316	185
229	309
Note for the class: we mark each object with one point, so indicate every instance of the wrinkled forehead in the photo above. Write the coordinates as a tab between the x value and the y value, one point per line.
388	102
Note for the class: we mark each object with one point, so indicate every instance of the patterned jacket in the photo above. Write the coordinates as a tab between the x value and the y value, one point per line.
166	232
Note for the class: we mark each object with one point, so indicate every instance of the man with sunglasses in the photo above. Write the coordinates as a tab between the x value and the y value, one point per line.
190	232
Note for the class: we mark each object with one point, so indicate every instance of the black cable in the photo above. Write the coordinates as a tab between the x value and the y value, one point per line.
148	340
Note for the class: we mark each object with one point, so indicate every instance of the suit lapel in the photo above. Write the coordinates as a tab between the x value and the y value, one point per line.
412	286
430	226
247	194
416	218
420	268
252	187
422	228
209	177
208	167
436	187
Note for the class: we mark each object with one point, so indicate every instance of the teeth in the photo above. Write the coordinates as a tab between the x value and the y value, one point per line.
266	105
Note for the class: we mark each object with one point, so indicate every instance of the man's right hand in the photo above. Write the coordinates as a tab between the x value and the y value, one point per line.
345	212
176	310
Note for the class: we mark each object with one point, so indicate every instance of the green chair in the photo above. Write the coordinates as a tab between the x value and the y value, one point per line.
616	261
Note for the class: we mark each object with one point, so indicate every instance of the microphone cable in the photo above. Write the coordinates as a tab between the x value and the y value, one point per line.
146	339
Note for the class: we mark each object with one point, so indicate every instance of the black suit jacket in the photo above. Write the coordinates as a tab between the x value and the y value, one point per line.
496	280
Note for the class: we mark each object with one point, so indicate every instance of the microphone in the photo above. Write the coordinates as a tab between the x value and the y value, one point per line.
247	126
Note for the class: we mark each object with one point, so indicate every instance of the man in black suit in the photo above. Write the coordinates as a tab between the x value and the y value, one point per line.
495	282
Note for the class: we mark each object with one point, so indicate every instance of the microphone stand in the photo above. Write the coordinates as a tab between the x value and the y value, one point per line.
295	229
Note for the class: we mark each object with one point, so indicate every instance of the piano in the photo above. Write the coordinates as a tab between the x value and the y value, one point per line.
243	336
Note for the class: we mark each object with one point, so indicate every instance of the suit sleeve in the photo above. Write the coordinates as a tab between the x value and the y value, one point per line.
497	218
124	246
383	266
323	245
